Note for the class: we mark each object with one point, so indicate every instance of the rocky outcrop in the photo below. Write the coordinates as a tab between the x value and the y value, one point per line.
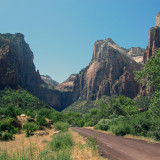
49	81
109	72
17	69
154	40
153	44
16	63
136	53
68	84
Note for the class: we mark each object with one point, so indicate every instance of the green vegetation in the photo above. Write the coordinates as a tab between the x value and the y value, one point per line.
30	128
82	106
62	126
92	142
61	141
20	98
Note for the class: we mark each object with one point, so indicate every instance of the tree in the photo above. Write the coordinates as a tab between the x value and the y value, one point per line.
151	72
30	128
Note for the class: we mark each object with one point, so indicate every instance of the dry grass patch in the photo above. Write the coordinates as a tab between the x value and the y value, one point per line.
81	151
149	140
22	143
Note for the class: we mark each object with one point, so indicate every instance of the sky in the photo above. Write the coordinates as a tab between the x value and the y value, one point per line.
62	33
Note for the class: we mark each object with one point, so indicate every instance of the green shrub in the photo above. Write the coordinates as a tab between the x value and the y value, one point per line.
121	129
87	124
41	121
63	126
61	141
5	136
30	128
7	129
103	124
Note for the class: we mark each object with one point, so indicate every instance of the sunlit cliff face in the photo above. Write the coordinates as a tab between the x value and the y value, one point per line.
158	20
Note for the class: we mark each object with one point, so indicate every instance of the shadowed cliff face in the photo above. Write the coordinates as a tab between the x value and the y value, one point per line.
109	72
17	68
16	63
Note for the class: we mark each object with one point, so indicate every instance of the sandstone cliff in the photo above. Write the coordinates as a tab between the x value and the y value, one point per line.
153	46
49	81
109	72
68	84
17	69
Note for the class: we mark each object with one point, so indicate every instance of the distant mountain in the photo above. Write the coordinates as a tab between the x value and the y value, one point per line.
49	81
68	84
136	53
110	72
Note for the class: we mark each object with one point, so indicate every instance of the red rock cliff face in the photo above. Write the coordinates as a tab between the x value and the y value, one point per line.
153	44
17	68
109	72
16	63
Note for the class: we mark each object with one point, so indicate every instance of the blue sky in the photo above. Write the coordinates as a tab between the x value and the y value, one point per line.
61	33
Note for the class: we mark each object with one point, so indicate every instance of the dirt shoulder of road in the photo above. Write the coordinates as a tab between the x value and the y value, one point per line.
149	140
122	148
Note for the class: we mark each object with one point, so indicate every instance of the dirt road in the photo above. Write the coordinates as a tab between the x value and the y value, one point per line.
120	148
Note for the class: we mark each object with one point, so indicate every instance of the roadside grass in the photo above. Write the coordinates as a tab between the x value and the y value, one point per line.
147	139
62	126
67	145
61	141
84	148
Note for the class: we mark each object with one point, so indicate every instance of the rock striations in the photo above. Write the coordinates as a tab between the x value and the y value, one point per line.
153	46
109	72
154	39
49	81
17	69
68	84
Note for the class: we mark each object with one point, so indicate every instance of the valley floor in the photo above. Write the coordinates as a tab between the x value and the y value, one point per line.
33	146
117	147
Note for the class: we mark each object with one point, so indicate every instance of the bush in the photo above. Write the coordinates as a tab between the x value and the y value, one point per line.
62	126
121	129
41	121
30	128
103	124
7	129
61	141
5	136
87	124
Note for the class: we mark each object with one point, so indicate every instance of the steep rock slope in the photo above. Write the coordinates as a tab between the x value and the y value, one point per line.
153	46
17	68
49	81
16	63
68	84
109	72
154	39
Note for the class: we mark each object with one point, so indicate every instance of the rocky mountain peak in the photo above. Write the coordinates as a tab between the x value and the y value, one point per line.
158	20
67	85
103	47
109	72
49	81
154	40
